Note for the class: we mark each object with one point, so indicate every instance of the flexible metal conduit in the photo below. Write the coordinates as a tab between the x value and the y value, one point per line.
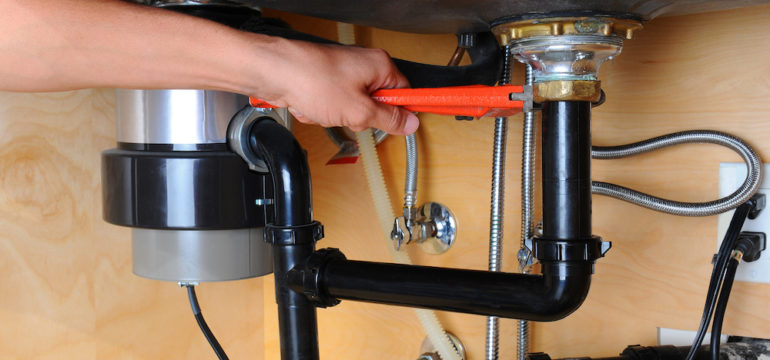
527	207
410	185
497	207
743	193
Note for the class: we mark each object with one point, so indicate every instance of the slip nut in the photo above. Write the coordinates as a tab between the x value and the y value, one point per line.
567	90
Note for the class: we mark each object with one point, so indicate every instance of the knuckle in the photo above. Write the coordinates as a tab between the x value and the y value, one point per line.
362	118
358	124
394	121
381	55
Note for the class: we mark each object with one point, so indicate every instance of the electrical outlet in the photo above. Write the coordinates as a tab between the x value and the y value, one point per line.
731	176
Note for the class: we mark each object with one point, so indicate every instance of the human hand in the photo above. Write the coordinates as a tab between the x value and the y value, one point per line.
330	85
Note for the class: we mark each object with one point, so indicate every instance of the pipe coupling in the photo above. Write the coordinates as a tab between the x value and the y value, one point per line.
306	279
567	90
294	235
548	250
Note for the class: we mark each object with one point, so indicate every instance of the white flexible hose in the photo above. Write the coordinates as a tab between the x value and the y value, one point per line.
371	162
346	33
382	204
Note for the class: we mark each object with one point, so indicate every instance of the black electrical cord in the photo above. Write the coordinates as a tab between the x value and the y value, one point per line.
711	297
719	312
202	323
717	275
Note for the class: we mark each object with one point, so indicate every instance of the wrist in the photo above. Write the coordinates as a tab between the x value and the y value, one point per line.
258	68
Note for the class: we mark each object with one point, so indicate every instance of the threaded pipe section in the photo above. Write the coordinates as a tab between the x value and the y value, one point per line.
527	170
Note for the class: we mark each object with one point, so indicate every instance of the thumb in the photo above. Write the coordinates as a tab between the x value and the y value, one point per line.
395	120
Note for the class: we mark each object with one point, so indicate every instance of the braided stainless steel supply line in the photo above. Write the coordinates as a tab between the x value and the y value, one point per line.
527	205
410	185
497	207
743	193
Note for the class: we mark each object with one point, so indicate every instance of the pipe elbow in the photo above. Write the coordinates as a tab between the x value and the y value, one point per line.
565	288
276	145
290	173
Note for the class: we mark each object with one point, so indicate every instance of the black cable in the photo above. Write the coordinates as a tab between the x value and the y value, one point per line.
717	275
719	312
711	295
202	323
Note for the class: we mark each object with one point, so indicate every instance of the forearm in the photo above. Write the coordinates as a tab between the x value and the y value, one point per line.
49	45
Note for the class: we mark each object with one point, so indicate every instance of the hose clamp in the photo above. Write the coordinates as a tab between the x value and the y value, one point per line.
570	250
294	235
308	280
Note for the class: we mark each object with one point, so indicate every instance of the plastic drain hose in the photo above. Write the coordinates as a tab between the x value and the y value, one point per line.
382	204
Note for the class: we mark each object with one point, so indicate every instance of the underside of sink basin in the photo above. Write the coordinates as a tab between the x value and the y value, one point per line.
457	16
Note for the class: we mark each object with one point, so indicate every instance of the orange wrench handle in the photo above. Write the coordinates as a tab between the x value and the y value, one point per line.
474	100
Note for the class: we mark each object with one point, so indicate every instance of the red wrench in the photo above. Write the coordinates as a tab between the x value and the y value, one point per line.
474	100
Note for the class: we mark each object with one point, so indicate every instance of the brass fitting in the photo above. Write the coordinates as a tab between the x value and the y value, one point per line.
567	90
603	26
566	52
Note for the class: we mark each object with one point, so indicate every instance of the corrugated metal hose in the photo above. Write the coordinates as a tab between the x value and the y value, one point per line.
739	196
410	185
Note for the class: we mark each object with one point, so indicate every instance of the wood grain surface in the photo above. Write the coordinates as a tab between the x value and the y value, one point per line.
67	291
66	288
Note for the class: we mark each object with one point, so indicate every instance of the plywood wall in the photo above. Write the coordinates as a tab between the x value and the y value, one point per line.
67	292
66	288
